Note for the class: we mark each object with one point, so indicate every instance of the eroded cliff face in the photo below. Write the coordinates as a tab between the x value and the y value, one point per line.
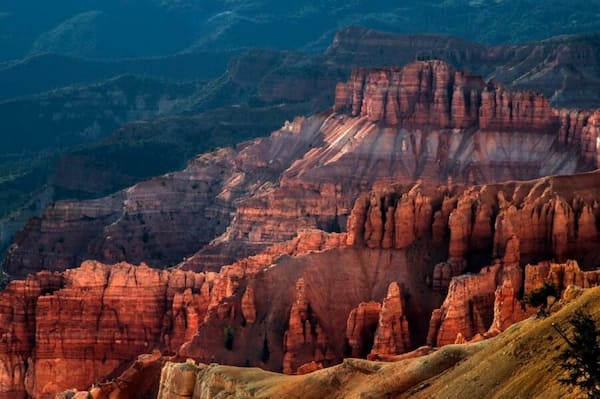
72	329
300	295
384	288
513	223
159	221
433	94
17	331
426	121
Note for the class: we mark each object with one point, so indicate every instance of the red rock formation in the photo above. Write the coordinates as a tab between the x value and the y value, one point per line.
249	306
304	341
333	308
17	329
415	95
561	275
572	126
432	93
467	310
383	220
392	336
308	175
141	379
361	327
590	139
444	272
309	296
102	318
69	330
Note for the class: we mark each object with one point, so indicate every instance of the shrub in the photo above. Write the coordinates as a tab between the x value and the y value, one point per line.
539	298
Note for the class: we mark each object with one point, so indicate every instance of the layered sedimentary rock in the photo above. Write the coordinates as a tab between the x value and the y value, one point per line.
478	306
361	326
426	121
311	301
307	298
17	329
304	341
435	95
311	310
392	336
126	310
162	220
140	380
504	226
71	329
553	217
80	326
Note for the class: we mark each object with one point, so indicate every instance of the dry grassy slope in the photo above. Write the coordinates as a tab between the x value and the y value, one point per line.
520	363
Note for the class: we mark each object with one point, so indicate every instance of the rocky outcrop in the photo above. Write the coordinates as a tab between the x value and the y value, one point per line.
140	380
432	93
467	310
17	329
302	301
249	306
361	326
307	297
162	220
392	336
69	330
390	221
561	275
304	341
515	223
491	301
103	318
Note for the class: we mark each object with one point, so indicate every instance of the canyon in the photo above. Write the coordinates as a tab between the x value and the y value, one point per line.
523	359
419	210
215	103
425	122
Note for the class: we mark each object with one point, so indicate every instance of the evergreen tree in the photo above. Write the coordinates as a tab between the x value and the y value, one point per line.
581	359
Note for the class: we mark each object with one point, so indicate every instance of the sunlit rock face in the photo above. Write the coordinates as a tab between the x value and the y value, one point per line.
380	289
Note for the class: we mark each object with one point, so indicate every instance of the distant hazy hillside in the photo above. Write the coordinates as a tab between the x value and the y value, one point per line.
117	29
